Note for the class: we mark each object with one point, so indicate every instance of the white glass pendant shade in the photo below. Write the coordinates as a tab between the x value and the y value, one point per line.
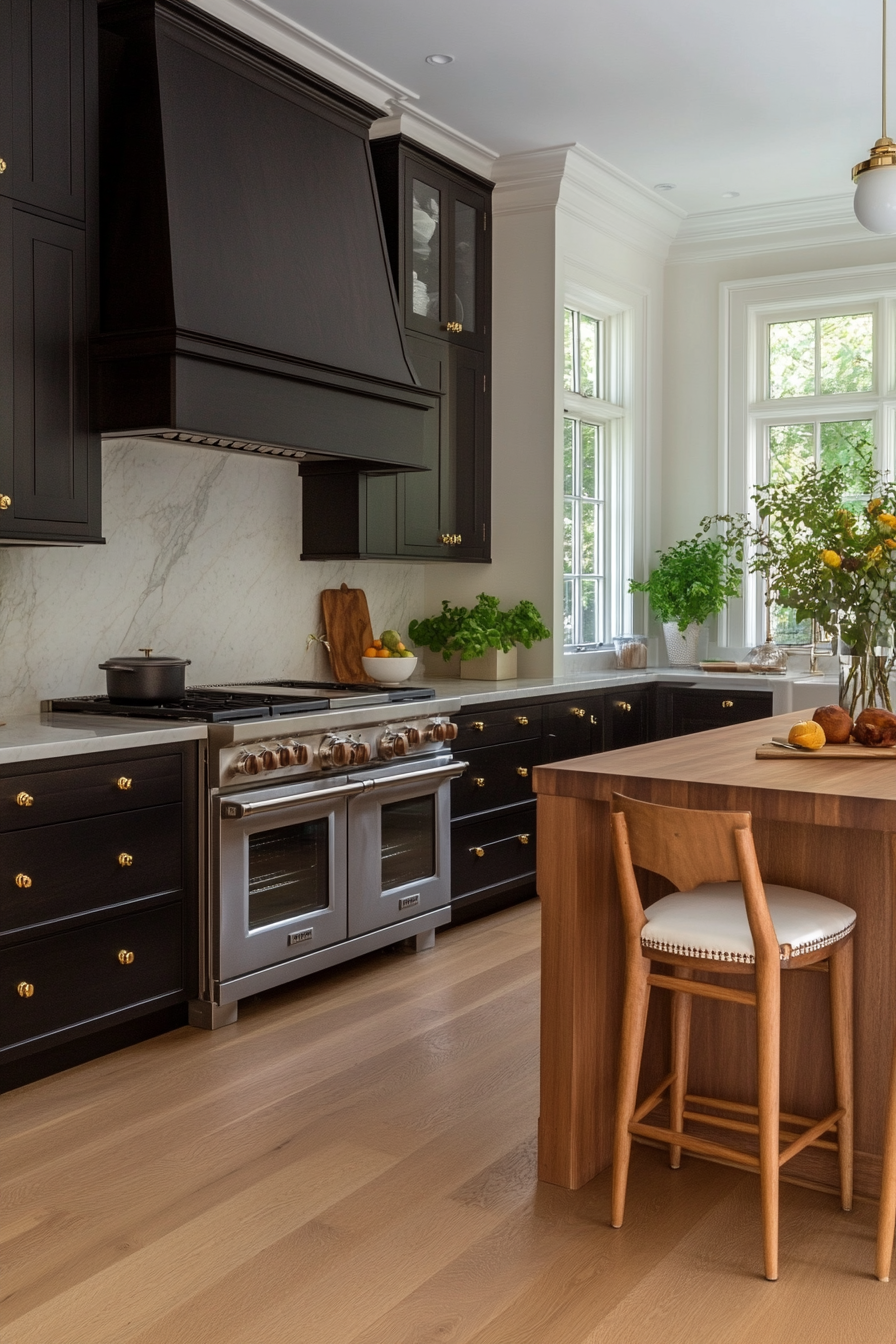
875	199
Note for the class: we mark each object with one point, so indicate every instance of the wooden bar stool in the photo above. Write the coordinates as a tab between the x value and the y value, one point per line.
722	918
887	1216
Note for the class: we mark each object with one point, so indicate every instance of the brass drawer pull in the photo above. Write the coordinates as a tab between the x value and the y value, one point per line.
523	839
479	726
126	958
594	720
24	990
479	852
450	539
2	165
23	880
124	783
727	704
5	501
522	721
623	705
478	782
24	799
578	713
522	771
454	326
125	860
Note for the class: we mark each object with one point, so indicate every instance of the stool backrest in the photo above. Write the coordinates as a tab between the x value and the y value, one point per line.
688	846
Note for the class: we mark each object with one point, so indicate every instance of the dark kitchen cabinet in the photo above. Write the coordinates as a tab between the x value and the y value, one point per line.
627	718
50	475
444	512
682	710
574	727
99	926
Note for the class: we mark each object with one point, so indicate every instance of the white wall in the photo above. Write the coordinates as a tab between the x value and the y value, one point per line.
201	560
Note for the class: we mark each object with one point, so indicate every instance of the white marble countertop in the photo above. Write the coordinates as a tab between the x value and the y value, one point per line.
36	737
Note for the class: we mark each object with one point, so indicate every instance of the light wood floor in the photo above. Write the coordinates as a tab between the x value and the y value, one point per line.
353	1163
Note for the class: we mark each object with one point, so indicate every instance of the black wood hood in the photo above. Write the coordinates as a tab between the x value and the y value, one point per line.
246	299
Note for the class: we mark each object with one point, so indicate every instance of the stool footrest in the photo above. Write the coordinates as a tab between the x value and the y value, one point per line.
692	1144
703	989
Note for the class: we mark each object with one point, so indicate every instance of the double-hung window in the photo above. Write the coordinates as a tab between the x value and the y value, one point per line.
592	432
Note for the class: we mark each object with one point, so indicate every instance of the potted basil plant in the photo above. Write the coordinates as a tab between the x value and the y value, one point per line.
692	582
484	636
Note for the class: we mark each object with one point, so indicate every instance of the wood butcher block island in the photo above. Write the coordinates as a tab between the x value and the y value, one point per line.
828	827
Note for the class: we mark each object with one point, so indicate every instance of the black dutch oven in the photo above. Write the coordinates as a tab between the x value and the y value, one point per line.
148	680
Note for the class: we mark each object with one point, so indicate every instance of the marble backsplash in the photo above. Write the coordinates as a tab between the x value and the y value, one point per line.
201	560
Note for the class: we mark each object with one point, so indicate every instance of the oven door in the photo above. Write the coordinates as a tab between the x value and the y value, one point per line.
400	845
281	874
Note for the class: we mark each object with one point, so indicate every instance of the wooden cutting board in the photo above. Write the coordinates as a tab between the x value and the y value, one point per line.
846	751
349	632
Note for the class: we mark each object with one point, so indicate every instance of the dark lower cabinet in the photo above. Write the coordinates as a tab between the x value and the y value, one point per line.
493	856
574	727
682	710
627	718
98	926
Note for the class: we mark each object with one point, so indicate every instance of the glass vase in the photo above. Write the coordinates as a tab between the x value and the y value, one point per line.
865	680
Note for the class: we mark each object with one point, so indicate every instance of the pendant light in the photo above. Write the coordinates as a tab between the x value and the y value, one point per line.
875	179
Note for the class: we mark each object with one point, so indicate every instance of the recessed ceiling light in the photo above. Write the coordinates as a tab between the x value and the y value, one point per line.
439	59
664	186
729	195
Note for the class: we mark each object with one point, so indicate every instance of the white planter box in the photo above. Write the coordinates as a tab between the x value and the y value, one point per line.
495	666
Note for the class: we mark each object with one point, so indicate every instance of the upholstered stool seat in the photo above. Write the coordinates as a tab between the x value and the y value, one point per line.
710	921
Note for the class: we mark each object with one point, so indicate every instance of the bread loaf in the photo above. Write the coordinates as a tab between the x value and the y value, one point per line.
875	728
835	721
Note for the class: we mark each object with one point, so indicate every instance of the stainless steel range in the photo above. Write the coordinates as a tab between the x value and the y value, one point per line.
327	828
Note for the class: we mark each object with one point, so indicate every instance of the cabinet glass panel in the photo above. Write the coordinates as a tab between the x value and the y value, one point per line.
426	231
465	265
289	872
408	831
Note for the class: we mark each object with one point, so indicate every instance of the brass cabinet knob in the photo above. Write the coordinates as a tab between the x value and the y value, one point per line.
578	713
479	852
24	799
5	501
623	705
453	326
23	880
24	990
2	165
594	720
451	539
523	839
478	782
522	771
125	860
126	958
522	720
727	704
479	726
124	783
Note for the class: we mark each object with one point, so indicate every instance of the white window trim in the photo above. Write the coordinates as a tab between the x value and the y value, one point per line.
624	328
745	410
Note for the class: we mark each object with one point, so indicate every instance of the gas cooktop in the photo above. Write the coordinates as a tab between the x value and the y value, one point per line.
265	699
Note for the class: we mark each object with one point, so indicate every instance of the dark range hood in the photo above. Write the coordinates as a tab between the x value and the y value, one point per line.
246	296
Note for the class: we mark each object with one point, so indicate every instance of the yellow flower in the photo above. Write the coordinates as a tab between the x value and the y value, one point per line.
888	518
875	553
890	543
831	559
874	505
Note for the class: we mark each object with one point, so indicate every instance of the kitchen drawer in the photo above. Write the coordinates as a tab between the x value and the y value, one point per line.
79	977
53	872
88	790
491	851
574	727
694	711
495	777
505	723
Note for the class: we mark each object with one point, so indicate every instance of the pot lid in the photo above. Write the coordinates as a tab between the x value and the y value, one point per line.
156	660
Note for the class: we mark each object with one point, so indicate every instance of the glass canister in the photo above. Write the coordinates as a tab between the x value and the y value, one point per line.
631	651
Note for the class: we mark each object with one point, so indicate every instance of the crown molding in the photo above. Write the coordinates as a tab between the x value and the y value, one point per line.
257	19
433	134
580	184
748	230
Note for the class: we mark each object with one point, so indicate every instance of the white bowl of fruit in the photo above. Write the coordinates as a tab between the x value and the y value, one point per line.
387	660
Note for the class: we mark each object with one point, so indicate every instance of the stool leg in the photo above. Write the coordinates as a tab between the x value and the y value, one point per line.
768	1023
886	1224
634	1020
681	1041
840	977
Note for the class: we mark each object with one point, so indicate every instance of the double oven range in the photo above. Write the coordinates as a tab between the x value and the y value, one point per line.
327	828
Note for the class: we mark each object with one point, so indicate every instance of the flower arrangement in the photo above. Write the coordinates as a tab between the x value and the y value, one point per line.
832	558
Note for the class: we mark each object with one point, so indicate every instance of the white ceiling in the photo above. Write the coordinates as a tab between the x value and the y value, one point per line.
774	99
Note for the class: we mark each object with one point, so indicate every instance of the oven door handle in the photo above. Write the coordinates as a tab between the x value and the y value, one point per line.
230	810
436	772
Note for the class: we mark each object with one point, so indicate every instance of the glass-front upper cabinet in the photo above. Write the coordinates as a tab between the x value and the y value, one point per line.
437	224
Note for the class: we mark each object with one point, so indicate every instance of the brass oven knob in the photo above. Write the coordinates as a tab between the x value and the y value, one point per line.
727	704
5	500
479	852
248	763
450	732
126	958
23	880
393	744
439	731
125	860
522	771
415	737
578	713
124	783
478	782
24	990
341	752
523	839
294	753
24	799
522	720
283	754
360	753
270	759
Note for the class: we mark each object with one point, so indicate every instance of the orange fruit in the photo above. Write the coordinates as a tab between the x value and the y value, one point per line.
370	653
377	643
400	647
384	653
